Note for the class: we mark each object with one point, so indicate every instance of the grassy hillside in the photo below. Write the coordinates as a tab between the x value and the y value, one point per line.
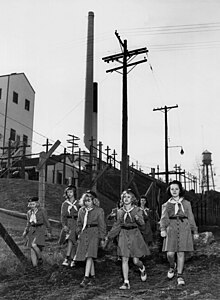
14	194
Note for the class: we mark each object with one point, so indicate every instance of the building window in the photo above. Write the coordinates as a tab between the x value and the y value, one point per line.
0	93
25	139
15	97
12	134
27	105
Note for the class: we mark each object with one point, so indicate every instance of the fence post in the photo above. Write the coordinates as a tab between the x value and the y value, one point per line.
64	166
10	242
41	168
100	155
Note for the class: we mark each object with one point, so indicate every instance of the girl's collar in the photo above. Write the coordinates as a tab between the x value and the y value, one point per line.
128	208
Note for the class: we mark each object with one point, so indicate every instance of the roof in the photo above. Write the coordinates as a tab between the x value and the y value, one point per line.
15	74
33	162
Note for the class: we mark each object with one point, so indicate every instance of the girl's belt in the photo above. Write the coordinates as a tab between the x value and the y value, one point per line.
178	218
128	228
91	225
36	225
72	217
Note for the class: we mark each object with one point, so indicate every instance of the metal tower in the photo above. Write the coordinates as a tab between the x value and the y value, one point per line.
207	178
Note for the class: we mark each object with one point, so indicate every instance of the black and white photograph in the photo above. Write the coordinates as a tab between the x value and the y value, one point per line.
109	150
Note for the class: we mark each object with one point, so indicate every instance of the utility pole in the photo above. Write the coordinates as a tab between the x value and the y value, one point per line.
124	58
166	109
41	169
73	144
47	148
24	146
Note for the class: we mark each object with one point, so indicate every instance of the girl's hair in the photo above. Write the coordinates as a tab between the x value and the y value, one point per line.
182	191
120	202
95	200
143	197
70	187
130	192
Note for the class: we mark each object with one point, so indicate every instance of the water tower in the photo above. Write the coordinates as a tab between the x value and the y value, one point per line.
207	173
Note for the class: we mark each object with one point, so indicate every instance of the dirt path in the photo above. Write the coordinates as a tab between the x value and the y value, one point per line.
54	282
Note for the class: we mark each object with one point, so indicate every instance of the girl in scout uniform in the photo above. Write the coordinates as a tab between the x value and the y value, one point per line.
91	228
35	230
69	214
130	241
177	224
147	231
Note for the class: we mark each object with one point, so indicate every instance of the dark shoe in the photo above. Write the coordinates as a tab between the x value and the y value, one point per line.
92	280
85	282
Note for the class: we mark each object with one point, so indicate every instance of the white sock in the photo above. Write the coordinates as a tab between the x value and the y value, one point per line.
143	268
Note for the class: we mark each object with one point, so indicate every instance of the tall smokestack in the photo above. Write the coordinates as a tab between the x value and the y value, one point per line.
90	116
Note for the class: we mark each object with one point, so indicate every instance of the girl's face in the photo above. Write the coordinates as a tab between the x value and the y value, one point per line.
143	201
88	201
127	199
70	194
32	204
174	190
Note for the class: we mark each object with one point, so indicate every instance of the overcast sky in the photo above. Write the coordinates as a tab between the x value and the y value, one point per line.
46	39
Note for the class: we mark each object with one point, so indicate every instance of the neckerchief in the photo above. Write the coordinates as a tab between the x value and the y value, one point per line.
127	213
33	218
86	217
177	203
145	210
71	205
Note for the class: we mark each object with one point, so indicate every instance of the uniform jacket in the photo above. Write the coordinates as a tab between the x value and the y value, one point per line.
179	227
94	231
36	231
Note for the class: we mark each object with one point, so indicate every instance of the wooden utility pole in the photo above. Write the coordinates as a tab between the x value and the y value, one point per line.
64	166
124	58
47	147
166	109
41	168
24	146
73	144
100	155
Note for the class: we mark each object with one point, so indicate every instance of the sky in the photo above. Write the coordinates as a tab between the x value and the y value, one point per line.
46	40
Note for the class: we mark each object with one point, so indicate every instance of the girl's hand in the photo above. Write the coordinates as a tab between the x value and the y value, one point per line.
49	235
163	233
65	228
136	217
196	236
104	242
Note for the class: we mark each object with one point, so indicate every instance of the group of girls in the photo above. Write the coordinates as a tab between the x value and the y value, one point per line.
84	229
